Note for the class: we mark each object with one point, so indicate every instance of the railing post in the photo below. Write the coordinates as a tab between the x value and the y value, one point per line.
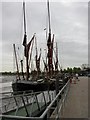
15	101
32	104
44	98
27	99
49	96
37	102
5	108
25	106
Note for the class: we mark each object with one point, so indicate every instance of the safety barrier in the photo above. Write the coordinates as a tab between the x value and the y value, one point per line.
53	110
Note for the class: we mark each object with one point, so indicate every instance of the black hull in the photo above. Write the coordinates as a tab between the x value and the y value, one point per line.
24	86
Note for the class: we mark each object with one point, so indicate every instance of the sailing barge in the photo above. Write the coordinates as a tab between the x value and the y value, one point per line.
48	81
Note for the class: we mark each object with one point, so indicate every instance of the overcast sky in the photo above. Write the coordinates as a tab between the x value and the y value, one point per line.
69	23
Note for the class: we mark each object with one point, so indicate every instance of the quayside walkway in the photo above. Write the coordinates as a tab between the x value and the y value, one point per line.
76	105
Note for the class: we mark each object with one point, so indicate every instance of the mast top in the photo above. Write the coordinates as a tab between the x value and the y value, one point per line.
24	17
49	16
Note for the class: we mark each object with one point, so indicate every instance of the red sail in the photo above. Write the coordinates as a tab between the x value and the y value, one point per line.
50	52
56	66
24	40
49	40
24	44
52	41
29	44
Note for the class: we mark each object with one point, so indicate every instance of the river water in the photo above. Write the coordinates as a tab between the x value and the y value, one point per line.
6	86
6	83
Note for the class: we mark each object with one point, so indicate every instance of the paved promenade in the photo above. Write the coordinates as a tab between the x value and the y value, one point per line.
77	101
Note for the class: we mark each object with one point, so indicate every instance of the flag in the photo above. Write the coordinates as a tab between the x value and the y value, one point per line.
44	28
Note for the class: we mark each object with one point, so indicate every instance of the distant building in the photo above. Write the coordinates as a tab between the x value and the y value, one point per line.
85	69
85	66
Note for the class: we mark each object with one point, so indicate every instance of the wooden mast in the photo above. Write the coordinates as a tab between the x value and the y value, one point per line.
16	61
22	68
24	17
49	44
49	17
27	66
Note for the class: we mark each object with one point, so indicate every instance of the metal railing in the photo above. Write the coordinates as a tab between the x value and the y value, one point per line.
53	110
14	102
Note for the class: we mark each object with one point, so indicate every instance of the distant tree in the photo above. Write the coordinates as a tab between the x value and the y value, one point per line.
76	70
72	70
69	70
65	71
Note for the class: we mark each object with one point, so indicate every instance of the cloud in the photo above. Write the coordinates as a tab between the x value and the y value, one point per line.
69	23
72	54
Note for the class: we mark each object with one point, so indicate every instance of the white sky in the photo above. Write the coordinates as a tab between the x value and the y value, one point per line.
69	23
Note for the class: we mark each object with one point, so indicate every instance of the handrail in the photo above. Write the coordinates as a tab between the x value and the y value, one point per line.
21	117
25	94
45	112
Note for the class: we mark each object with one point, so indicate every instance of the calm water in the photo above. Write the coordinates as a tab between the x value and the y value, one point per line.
6	82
